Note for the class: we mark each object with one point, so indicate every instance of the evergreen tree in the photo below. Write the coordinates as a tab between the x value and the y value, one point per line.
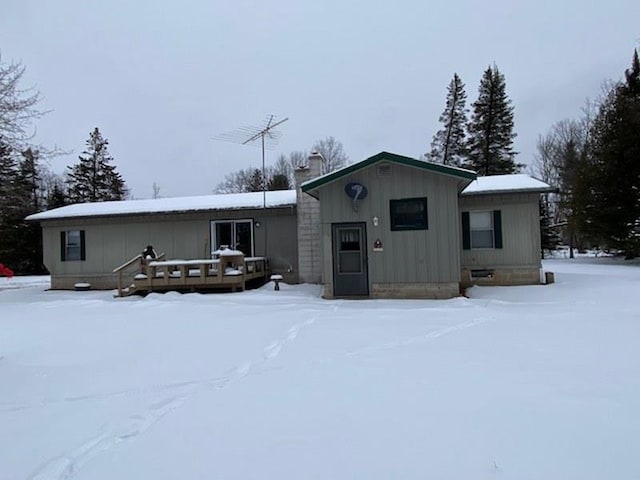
94	179
256	182
57	197
490	143
549	237
611	217
449	144
278	181
13	209
29	248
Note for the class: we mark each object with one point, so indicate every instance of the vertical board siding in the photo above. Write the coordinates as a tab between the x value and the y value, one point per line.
520	231
110	241
411	256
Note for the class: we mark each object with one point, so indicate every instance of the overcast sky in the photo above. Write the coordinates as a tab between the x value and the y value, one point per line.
161	79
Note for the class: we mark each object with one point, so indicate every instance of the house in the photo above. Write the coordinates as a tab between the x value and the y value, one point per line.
86	242
388	226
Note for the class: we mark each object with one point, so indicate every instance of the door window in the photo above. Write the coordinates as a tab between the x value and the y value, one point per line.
233	234
349	251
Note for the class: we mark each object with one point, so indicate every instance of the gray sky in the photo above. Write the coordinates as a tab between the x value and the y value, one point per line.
161	79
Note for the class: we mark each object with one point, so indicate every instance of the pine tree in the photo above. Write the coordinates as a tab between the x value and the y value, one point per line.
94	179
449	144
57	197
256	182
278	181
612	215
490	143
549	237
12	208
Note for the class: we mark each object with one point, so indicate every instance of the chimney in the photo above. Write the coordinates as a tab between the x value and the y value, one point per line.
308	213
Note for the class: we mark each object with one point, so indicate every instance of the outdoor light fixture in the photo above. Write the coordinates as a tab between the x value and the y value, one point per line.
375	221
257	224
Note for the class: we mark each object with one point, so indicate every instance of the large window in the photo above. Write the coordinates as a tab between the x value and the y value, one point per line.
233	234
72	245
409	214
482	229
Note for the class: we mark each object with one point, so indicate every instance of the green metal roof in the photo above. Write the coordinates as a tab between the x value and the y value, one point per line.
387	157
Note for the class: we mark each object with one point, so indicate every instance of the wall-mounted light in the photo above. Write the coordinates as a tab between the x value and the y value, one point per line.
375	221
257	224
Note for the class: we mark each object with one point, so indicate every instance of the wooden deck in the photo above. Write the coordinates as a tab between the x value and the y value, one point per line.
230	272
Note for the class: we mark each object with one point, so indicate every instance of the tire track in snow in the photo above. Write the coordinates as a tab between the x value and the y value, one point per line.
66	465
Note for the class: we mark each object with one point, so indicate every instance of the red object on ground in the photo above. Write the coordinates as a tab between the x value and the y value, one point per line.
6	271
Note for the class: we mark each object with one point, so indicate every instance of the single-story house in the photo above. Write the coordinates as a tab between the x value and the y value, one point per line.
388	226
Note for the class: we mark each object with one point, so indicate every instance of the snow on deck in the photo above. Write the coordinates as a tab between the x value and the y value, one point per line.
506	183
231	201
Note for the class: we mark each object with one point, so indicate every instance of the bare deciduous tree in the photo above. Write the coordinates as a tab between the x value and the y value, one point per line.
333	153
17	106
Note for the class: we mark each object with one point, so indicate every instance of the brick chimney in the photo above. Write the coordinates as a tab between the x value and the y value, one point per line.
308	209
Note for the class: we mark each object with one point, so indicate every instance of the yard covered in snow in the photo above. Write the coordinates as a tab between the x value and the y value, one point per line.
537	382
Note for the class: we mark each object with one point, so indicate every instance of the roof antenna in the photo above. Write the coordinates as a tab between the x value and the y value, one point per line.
247	135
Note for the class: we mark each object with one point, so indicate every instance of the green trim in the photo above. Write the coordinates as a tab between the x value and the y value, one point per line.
390	157
466	231
63	246
497	229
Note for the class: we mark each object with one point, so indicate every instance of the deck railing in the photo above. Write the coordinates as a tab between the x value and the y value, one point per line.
227	271
138	261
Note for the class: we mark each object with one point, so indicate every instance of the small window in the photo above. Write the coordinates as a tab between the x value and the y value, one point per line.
72	245
409	214
481	224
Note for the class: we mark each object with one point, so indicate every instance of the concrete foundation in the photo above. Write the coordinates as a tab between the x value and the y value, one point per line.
500	276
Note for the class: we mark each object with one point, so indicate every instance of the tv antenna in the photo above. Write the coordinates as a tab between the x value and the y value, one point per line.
268	139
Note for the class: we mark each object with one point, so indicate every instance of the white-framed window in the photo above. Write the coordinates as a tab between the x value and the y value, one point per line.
481	227
72	245
233	234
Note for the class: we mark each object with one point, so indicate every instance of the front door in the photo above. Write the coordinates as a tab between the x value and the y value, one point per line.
350	260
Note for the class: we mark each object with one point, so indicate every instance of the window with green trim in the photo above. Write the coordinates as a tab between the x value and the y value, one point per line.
409	214
482	229
481	226
72	245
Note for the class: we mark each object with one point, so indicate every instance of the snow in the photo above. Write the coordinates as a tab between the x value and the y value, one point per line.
537	382
506	183
167	205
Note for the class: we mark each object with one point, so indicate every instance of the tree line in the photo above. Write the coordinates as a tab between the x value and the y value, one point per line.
28	185
594	160
280	175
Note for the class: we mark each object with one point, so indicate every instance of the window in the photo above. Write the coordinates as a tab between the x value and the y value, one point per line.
234	234
482	229
409	214
72	245
481	225
349	251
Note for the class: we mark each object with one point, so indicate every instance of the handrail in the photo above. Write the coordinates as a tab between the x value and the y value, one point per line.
126	264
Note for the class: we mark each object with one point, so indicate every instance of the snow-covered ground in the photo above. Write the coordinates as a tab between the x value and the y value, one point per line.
537	382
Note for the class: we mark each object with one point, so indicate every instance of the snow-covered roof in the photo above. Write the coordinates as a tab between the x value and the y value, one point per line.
231	201
506	184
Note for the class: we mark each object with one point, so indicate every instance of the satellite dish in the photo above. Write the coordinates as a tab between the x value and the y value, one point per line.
356	191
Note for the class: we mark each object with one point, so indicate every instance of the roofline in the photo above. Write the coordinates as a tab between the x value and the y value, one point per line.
512	190
392	157
158	212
